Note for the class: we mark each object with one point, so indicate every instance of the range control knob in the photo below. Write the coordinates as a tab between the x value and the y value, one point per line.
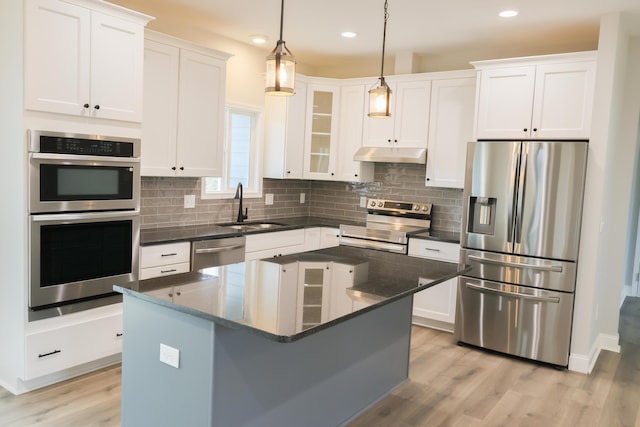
380	204
425	208
373	204
416	207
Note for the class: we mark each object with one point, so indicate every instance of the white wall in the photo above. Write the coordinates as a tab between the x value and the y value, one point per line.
607	198
13	194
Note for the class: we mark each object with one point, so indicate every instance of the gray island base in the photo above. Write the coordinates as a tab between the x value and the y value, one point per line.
228	371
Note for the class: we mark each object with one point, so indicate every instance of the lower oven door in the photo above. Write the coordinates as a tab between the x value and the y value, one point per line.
81	255
518	320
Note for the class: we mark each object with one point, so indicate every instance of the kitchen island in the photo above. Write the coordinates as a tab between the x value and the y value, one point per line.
309	339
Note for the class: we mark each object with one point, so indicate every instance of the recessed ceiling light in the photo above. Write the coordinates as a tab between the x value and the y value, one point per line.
508	13
349	34
259	38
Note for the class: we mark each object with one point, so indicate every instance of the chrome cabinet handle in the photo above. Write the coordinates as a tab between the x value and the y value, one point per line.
552	268
432	249
50	354
478	288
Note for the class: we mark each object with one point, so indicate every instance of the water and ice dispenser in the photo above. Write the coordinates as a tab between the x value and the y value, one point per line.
482	215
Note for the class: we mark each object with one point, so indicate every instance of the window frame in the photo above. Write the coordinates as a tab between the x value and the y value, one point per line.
254	190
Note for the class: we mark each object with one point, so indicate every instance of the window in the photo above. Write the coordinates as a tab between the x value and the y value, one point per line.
241	156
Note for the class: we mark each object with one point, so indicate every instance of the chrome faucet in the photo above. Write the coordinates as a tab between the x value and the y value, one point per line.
238	196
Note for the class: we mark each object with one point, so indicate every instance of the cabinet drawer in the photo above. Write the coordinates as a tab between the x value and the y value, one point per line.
157	255
277	239
164	270
274	252
62	348
433	249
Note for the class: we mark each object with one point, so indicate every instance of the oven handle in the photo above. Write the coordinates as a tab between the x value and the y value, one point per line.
85	215
359	243
73	157
484	289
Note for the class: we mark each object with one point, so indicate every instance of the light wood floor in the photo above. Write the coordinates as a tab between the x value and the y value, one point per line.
450	386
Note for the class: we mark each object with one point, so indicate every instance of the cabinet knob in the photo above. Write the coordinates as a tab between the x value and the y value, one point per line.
526	130
173	168
332	174
181	168
118	334
86	105
356	175
535	129
428	179
395	141
97	107
288	172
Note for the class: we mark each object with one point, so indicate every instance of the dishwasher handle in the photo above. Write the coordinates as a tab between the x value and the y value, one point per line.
220	249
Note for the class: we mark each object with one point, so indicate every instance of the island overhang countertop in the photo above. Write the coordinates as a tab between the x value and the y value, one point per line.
255	297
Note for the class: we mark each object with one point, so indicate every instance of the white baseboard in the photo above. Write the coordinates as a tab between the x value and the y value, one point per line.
56	377
584	363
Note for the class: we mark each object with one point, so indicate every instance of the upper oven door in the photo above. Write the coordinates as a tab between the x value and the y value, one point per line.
74	183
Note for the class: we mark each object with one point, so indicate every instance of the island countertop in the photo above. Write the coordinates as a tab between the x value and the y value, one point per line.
263	296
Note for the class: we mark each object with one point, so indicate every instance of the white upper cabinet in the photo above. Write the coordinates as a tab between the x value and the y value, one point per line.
450	128
408	125
536	98
84	61
321	131
284	134
183	127
352	112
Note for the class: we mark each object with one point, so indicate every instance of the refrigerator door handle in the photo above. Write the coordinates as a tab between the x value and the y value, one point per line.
528	297
520	203
511	206
552	268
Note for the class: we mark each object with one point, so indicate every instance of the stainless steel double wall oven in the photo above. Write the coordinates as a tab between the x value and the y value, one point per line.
84	208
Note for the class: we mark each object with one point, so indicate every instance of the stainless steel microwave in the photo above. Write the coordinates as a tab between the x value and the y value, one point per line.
79	173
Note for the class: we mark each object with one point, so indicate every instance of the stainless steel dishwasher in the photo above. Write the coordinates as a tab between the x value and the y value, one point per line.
215	252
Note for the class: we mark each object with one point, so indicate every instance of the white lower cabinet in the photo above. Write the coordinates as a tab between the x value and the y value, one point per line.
277	243
164	260
435	307
65	346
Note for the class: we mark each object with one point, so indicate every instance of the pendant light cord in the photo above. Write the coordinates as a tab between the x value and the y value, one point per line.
281	19
384	37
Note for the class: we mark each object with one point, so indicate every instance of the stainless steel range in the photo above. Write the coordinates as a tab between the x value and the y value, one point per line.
388	224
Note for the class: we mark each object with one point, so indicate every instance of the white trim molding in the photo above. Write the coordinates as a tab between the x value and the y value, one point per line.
584	363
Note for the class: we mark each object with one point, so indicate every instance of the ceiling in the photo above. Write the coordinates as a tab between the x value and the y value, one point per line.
428	28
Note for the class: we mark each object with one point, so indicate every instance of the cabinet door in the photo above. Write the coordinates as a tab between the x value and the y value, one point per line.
505	103
339	302
116	68
284	134
313	294
563	100
450	128
159	125
321	131
352	102
437	303
200	115
412	113
57	57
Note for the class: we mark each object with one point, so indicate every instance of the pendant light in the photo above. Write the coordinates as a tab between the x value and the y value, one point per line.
380	95
281	67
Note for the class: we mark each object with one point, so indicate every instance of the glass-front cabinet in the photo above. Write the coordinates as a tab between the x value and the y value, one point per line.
321	131
313	294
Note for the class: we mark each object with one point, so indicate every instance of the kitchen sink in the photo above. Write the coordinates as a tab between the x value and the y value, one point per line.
253	226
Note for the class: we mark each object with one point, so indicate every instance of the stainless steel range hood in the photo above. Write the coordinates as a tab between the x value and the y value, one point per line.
391	155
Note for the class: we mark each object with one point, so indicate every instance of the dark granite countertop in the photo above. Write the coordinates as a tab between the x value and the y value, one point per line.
155	236
185	233
253	295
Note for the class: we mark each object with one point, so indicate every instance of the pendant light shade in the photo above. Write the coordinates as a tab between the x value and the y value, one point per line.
380	95
281	67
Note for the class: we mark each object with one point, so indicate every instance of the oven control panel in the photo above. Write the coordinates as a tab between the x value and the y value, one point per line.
397	207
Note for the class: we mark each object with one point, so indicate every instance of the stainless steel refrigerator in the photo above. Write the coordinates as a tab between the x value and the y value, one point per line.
522	212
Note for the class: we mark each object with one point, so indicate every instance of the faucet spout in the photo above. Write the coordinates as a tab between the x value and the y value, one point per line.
241	216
